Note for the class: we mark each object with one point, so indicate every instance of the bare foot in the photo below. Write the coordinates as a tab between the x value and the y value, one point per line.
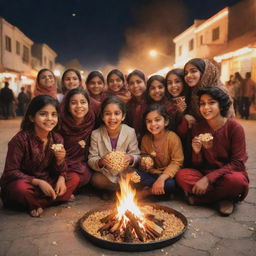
226	207
36	212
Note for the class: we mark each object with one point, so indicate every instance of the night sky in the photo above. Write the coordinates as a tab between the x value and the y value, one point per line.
95	32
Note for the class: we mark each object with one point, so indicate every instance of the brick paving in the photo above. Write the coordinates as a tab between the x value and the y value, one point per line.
56	232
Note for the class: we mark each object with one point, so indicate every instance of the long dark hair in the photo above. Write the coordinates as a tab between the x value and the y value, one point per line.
72	93
34	106
179	72
158	78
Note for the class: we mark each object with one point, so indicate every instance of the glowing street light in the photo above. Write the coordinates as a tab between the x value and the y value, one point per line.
129	70
153	53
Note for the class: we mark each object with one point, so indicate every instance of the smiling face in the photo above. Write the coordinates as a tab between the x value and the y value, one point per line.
192	75
155	123
156	91
71	81
78	107
95	86
112	117
137	86
46	79
115	83
209	107
45	119
174	85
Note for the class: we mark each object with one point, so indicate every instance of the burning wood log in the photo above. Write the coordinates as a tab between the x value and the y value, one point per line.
135	225
107	226
108	217
153	218
128	237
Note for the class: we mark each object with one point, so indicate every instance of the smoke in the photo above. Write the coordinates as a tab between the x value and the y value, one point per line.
156	24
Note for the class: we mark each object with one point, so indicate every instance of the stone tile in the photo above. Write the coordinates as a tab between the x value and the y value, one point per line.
4	246
22	247
222	227
232	247
197	239
245	212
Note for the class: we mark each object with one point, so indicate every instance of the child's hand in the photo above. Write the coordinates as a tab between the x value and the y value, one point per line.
196	144
181	104
201	186
104	162
60	155
128	160
190	119
158	186
46	188
60	187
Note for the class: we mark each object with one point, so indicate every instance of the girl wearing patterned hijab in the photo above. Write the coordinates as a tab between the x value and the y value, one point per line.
200	73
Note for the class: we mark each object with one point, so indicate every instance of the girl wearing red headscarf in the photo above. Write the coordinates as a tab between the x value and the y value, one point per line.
78	121
46	83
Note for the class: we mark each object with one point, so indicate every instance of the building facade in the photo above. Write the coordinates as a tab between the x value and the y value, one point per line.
15	57
228	37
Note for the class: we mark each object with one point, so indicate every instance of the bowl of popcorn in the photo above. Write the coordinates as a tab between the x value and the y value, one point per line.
116	161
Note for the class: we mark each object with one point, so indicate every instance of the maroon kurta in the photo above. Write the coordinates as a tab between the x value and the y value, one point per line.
223	164
27	160
135	110
74	137
98	98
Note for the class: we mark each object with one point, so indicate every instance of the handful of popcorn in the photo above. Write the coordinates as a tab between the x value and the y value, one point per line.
135	177
146	162
116	160
205	137
57	147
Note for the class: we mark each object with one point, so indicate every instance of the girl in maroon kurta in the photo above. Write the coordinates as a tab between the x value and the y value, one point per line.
78	121
95	84
219	155
35	170
117	85
178	94
136	106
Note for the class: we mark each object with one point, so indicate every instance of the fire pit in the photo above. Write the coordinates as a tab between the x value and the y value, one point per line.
130	226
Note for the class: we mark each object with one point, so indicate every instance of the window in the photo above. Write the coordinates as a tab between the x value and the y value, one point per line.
17	48
201	40
215	33
50	64
180	50
8	43
25	56
191	45
45	60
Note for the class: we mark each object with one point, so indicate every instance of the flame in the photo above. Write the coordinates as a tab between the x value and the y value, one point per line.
126	201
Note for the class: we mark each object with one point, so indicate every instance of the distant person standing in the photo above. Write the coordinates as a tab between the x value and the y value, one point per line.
6	99
23	100
247	95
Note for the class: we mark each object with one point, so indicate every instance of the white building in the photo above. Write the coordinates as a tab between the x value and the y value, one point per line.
46	56
15	56
228	37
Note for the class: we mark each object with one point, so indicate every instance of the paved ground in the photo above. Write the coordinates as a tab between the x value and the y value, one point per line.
56	234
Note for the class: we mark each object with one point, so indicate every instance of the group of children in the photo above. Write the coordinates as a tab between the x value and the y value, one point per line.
183	123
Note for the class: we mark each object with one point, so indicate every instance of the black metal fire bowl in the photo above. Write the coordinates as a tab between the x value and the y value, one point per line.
134	247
